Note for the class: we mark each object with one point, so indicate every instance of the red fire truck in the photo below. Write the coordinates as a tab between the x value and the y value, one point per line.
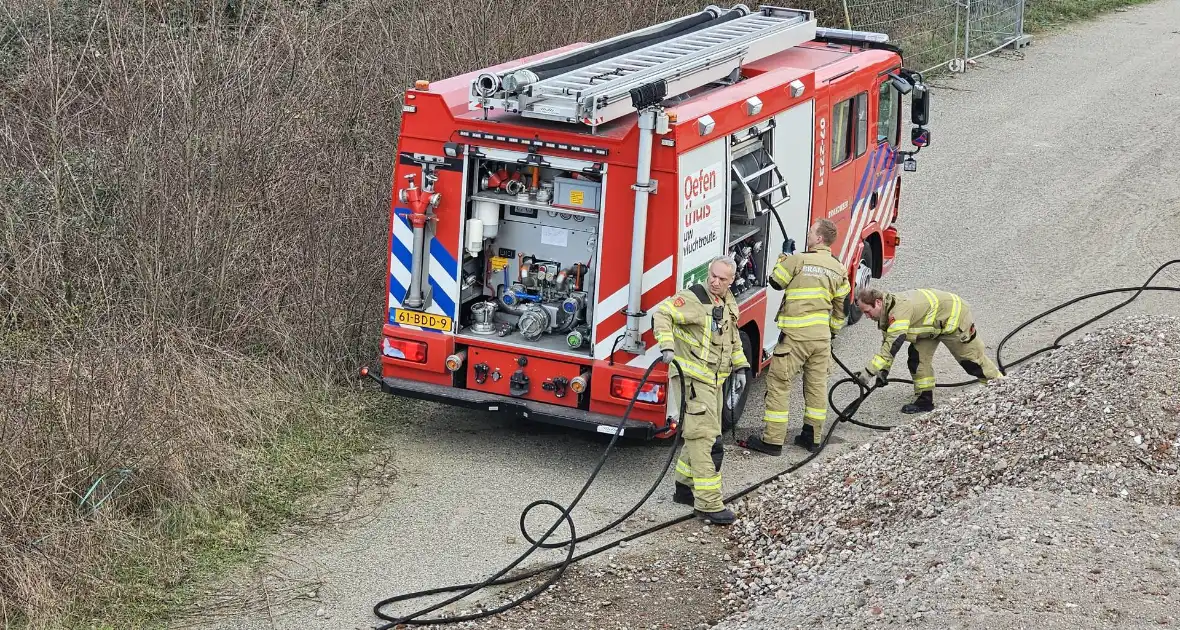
543	208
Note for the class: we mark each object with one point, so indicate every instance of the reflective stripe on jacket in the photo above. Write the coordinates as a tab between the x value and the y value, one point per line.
913	315
704	351
815	284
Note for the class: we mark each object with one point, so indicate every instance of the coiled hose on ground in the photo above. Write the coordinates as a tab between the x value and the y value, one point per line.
559	568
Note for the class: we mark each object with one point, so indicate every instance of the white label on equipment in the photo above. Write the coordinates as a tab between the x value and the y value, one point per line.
603	428
557	237
493	407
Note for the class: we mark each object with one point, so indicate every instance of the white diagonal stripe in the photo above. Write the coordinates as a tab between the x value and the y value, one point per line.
611	305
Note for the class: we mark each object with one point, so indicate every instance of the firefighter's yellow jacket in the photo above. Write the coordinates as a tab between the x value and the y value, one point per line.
706	351
912	315
815	284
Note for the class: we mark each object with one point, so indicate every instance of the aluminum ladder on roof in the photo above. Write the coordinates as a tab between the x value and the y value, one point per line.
601	92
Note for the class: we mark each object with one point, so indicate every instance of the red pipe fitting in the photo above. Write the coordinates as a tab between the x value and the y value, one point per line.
420	201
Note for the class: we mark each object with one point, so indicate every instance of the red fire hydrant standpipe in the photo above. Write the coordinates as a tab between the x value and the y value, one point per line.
422	202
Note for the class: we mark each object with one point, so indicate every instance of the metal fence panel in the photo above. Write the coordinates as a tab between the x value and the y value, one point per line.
992	25
928	31
936	33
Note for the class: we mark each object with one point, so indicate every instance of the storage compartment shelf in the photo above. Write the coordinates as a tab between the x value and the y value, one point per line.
739	231
530	266
512	200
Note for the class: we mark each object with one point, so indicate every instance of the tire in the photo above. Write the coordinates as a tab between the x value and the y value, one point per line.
731	415
863	277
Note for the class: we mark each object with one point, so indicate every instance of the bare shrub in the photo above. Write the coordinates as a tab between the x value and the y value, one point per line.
194	202
195	209
100	439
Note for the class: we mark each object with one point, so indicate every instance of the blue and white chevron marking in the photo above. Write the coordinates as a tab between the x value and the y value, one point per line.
878	177
443	271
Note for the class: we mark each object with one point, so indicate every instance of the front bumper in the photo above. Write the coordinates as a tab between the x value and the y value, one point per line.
506	406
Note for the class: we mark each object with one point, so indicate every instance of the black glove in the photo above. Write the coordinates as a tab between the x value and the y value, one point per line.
880	379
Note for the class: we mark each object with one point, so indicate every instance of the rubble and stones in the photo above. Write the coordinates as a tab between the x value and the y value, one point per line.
993	505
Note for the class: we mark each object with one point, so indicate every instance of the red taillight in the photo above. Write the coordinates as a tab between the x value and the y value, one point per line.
404	349
623	387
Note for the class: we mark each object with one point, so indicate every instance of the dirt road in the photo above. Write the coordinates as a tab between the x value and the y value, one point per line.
1052	173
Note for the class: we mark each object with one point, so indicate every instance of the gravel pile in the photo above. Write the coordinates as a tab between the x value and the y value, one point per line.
1090	433
1012	558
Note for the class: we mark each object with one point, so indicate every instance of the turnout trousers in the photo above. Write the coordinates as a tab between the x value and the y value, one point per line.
699	465
964	345
790	356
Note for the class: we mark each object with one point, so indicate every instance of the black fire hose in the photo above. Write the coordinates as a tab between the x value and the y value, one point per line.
574	539
843	415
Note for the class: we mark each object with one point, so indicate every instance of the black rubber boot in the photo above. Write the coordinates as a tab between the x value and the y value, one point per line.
683	494
923	403
724	517
806	438
755	443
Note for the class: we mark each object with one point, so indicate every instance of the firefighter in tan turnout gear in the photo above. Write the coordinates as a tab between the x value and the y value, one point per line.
925	318
812	311
697	328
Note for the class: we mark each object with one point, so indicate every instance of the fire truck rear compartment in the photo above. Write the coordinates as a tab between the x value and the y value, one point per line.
530	247
521	376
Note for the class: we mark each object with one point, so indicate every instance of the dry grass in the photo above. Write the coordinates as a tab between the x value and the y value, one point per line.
194	202
192	260
127	467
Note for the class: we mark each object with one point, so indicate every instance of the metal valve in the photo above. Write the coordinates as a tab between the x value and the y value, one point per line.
559	386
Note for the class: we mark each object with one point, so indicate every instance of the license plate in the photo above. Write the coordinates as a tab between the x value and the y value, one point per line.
423	320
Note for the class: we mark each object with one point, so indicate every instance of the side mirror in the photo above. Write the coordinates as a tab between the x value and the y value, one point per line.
920	105
920	137
900	84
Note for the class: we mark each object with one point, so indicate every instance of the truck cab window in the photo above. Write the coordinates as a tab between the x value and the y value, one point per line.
841	132
888	100
862	122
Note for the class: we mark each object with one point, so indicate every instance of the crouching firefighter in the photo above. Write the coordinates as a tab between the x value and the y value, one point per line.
815	284
697	328
925	318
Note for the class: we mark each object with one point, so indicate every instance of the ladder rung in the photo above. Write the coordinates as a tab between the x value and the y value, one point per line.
769	191
660	57
698	37
734	31
759	173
